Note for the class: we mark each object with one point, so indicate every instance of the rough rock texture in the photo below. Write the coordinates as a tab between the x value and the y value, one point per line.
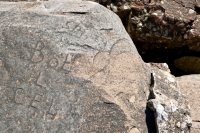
162	66
167	104
190	86
188	64
162	30
71	67
24	0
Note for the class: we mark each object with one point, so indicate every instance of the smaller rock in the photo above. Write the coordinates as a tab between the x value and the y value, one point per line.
167	103
156	106
162	66
191	11
188	64
178	124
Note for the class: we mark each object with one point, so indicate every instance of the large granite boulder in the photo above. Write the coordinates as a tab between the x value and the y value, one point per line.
71	67
190	86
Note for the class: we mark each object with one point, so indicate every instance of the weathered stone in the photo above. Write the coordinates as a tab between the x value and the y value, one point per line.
71	67
68	67
188	64
190	86
195	127
162	30
162	66
24	0
167	104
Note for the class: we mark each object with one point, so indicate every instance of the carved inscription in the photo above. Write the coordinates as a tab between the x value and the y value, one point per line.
53	62
26	55
42	105
60	109
45	98
75	29
38	55
19	95
67	62
41	81
51	112
39	46
35	102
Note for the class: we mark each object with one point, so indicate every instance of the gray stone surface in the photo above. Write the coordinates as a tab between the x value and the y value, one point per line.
169	106
71	67
51	54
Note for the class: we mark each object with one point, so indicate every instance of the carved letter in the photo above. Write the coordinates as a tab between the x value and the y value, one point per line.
51	111
19	95
66	65
35	101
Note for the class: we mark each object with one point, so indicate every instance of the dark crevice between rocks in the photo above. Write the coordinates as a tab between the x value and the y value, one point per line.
175	71
123	16
152	85
150	114
161	55
150	121
197	9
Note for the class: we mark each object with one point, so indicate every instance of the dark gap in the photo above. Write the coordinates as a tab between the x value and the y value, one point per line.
106	29
150	121
161	55
197	9
108	103
152	80
77	12
124	16
152	85
196	120
175	71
